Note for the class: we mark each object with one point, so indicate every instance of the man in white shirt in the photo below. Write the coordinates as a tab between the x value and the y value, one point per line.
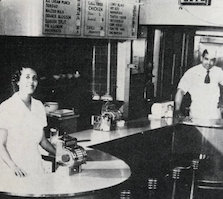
202	83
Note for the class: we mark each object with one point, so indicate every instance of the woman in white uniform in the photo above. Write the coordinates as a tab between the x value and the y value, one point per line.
22	120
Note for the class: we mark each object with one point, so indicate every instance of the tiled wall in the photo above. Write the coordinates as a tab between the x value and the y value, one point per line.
101	68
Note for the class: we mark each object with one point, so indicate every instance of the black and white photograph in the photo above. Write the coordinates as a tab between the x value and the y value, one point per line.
111	99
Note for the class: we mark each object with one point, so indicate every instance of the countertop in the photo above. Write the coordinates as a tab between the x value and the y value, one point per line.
97	174
101	171
93	137
210	123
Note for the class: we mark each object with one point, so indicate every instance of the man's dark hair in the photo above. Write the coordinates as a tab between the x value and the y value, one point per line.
204	52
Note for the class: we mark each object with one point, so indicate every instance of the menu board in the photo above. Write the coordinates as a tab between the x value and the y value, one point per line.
94	22
116	19
62	17
122	18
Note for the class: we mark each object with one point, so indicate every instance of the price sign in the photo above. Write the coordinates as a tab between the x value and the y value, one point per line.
62	17
113	19
94	22
122	18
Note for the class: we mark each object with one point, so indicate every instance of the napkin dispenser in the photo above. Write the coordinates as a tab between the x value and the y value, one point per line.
104	122
110	114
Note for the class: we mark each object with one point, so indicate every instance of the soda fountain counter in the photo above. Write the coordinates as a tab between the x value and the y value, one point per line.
151	148
154	147
101	171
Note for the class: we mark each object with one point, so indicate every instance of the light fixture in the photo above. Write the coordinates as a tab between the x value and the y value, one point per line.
107	96
95	96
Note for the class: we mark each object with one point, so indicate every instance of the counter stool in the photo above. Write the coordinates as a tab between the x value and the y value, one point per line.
205	188
209	189
176	176
147	192
125	194
201	184
194	165
152	188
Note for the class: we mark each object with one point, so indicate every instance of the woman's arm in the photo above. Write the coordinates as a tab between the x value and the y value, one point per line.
4	154
45	144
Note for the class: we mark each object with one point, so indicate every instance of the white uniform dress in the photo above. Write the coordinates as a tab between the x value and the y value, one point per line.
204	97
25	128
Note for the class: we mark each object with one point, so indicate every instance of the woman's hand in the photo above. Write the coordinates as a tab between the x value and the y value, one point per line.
18	171
4	154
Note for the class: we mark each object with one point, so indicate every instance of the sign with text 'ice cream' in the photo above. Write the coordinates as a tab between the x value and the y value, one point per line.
62	17
113	19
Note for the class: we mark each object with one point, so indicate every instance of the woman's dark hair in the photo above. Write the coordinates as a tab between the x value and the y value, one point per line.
16	77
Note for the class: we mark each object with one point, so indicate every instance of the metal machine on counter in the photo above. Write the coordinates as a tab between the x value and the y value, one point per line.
69	155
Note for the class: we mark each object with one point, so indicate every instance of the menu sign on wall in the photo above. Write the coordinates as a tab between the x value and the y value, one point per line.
94	22
116	19
62	17
122	18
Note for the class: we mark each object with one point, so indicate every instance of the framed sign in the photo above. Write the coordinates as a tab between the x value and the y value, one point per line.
122	18
109	19
94	19
62	17
196	2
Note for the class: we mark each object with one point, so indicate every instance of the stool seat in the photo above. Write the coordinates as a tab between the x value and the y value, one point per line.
211	185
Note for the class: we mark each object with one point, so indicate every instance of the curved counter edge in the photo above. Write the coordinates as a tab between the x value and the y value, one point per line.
101	172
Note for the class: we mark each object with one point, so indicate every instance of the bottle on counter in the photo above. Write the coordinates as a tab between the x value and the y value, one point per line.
54	136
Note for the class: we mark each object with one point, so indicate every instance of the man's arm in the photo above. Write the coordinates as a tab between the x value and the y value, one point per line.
221	77
178	99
